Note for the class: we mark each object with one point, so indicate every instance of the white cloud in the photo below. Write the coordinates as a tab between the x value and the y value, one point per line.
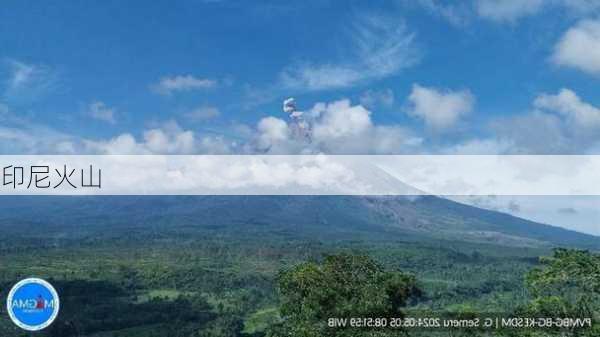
122	144
579	47
535	133
272	133
170	138
20	135
508	10
379	47
479	146
159	141
456	14
169	85
215	144
373	98
100	111
460	13
320	76
27	81
203	113
35	139
560	123
340	119
392	139
21	74
439	109
343	128
337	128
567	103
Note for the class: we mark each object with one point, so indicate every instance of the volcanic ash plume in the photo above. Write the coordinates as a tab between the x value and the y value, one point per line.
299	127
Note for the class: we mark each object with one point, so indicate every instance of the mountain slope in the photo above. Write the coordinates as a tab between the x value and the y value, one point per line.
319	217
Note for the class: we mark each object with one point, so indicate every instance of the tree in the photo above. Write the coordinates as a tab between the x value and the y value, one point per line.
224	326
342	286
567	285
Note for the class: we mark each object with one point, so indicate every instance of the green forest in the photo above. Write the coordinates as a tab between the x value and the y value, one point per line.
188	281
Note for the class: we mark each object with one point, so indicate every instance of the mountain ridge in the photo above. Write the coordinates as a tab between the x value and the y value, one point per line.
323	217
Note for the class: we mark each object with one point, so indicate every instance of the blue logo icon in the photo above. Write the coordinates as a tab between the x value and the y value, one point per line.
32	304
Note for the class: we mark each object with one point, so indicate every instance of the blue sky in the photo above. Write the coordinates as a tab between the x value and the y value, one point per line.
371	77
487	76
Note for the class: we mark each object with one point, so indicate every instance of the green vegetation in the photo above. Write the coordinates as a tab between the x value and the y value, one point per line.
567	285
342	286
222	286
134	276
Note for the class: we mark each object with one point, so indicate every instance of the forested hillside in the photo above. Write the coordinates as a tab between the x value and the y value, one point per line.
213	266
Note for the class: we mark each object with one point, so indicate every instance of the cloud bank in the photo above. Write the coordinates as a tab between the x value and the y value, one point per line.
439	109
579	47
181	83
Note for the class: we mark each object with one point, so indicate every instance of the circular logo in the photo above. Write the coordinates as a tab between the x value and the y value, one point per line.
32	304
